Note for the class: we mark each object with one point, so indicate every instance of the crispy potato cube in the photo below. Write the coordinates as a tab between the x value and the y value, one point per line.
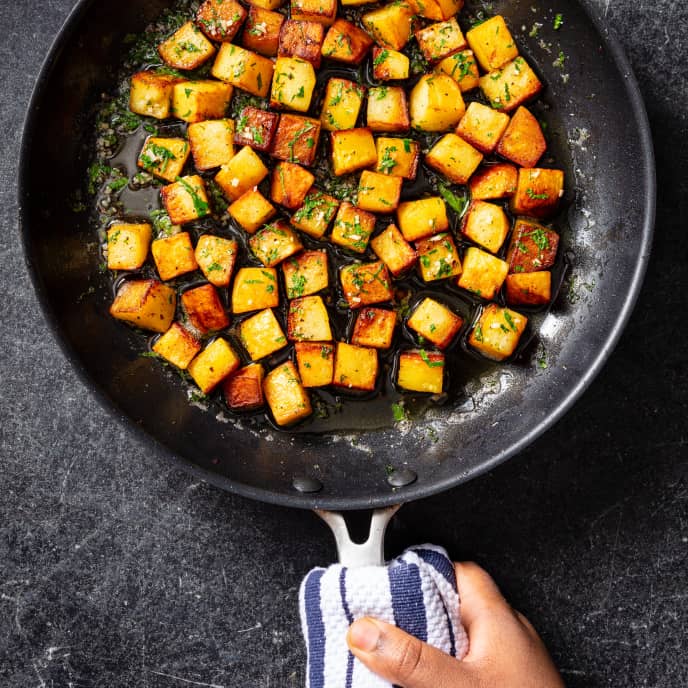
254	289
293	83
532	247
538	192
389	64
529	288
482	127
523	141
128	244
439	10
302	39
286	396
393	250
421	218
148	304
185	200
387	109
204	308
374	328
290	184
421	371
497	332
243	172
262	31
216	362
315	362
438	41
305	273
390	25
174	255
341	105
436	103
463	68
398	157
308	320
256	128
438	257
275	243
486	224
196	101
435	322
216	257
244	69
355	367
261	335
212	143
493	181
150	94
243	391
296	139
454	158
220	20
316	213
186	48
177	346
364	284
510	86
345	42
483	274
378	193
352	149
322	11
352	227
252	210
492	43
266	4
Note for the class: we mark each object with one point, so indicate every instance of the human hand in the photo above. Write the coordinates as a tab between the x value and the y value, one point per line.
505	650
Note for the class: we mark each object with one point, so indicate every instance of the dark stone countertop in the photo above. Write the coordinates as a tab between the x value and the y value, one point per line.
117	570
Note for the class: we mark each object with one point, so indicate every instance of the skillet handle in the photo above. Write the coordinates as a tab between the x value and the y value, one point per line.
368	553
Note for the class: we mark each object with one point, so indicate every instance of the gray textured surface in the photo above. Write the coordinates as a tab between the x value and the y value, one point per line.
116	570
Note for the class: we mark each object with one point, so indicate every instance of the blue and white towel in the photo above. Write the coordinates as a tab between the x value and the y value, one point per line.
416	591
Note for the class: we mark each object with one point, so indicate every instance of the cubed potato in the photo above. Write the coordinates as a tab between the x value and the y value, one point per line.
290	184
306	273
252	210
352	228
352	149
421	218
185	200
390	65
421	371
315	362
486	224
204	308
216	256
538	192
398	157
365	284
438	257
439	10
438	41
482	127
390	25
435	103
492	43
216	362
261	335
196	101
128	244
435	322
174	255
286	396
293	83
275	243
242	173
296	139
454	158
148	304
393	250
374	328
308	320
212	143
254	289
220	20
387	109
316	213
529	288
510	86
463	68
523	141
177	346
533	247
244	69
243	390
497	332
150	94
493	182
262	31
186	48
378	193
341	105
321	11
483	274
355	367
266	4
302	39
256	128
345	42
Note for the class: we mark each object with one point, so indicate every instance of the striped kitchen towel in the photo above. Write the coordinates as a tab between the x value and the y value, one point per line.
416	591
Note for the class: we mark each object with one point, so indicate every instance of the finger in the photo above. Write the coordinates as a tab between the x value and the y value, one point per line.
478	593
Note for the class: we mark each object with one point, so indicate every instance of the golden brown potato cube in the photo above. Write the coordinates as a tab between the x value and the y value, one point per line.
438	41
252	210
296	139
243	391
293	83
398	157
482	127
308	320
538	192
439	10
532	247
261	335
485	224
352	227
345	42
305	273
436	103
393	250
341	105
244	69
185	200
454	158
174	255
492	43
148	304
196	101
435	322
421	371
216	257
302	39
463	68
365	284
374	328
493	181
483	274
216	362
322	11
352	149
529	288
421	218
243	172
254	289
186	48
497	332
390	25
355	367
523	141
510	86
262	31
316	213
286	396
438	257
127	245
204	308
315	362
266	4
387	109
378	193
290	184
177	346
220	20
256	128
150	94
275	243
212	143
389	64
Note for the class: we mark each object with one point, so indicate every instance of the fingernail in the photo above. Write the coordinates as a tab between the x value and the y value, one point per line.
364	635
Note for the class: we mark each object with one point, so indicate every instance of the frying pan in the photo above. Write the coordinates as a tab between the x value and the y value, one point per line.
598	132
